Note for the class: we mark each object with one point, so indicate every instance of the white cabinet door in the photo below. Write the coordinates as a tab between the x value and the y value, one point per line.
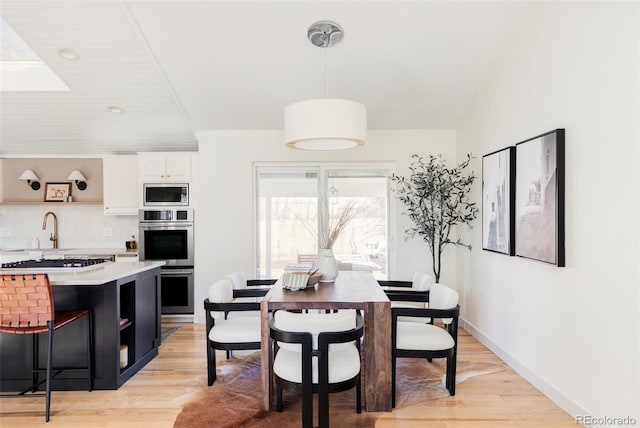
170	167
178	167
152	167
120	177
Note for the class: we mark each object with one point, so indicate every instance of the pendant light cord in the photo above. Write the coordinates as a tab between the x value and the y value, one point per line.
326	80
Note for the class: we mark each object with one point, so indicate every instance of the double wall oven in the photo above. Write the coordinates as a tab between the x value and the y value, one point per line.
167	235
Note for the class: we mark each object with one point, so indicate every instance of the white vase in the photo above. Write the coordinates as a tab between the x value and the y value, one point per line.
327	265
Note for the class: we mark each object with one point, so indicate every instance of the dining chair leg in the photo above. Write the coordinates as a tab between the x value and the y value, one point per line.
452	375
393	381
49	363
307	406
323	388
279	406
211	364
447	383
359	395
323	409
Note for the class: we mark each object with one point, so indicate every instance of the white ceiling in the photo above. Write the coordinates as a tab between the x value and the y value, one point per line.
179	66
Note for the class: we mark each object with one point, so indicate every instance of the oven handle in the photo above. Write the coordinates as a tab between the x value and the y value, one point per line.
176	272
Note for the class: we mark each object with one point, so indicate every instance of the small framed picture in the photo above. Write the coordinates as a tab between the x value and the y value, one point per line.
57	192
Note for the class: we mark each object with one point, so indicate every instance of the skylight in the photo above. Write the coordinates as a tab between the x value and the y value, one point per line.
21	69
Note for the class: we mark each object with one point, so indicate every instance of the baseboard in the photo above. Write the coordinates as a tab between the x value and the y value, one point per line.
564	402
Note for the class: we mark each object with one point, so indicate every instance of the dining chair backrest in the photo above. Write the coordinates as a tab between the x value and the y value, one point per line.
443	297
26	301
221	291
315	323
239	279
422	281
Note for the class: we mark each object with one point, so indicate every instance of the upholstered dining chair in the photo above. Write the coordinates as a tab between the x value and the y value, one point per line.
26	307
317	352
240	281
226	332
421	281
423	340
420	284
253	290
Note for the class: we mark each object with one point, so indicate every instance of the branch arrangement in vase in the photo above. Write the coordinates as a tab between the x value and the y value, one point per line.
331	226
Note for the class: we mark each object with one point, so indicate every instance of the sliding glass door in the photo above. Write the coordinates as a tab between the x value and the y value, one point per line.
288	215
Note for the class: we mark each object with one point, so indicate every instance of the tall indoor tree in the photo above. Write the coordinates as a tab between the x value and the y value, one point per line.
436	199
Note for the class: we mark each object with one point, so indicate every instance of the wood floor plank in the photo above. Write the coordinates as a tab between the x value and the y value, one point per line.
155	396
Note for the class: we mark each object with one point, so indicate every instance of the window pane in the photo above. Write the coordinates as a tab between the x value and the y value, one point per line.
287	218
363	244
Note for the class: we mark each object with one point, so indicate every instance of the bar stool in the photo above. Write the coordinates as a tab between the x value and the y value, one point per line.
26	307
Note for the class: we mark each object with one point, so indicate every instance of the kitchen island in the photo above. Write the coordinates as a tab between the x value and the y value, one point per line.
125	301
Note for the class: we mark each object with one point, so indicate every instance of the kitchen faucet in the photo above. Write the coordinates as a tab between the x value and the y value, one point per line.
54	235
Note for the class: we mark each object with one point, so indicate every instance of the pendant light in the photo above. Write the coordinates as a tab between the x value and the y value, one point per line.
327	123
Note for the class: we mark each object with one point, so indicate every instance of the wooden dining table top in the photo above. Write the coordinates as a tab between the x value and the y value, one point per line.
350	288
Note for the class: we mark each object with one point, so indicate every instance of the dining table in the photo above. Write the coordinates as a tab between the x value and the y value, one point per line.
350	290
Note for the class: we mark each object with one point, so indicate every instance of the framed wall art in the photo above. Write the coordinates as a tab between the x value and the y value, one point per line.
498	195
57	192
540	198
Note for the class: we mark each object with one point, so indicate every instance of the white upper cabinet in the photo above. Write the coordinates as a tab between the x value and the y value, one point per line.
169	167
120	185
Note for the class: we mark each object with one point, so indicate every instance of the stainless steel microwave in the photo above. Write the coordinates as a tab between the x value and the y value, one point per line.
165	194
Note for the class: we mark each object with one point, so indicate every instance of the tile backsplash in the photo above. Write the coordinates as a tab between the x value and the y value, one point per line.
79	226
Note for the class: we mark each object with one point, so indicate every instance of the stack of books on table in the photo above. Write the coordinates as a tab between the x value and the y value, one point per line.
299	280
299	267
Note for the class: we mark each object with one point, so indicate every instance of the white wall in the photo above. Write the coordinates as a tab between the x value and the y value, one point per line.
1	186
224	219
571	331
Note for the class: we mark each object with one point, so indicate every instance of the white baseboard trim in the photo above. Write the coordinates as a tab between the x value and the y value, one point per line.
564	402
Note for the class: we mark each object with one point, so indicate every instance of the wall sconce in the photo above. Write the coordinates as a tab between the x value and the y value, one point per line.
80	179
32	179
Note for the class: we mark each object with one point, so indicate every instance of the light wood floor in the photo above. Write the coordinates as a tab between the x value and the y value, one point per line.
153	397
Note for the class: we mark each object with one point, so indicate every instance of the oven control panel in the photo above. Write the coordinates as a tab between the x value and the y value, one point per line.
165	215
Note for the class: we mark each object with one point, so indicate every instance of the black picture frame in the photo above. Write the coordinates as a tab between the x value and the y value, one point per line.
498	201
540	188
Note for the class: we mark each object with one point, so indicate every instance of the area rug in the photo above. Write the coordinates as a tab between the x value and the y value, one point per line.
235	399
166	333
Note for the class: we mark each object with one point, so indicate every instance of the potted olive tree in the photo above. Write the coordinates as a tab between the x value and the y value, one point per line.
436	199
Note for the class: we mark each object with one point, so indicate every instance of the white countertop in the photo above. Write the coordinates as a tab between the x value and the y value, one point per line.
92	275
